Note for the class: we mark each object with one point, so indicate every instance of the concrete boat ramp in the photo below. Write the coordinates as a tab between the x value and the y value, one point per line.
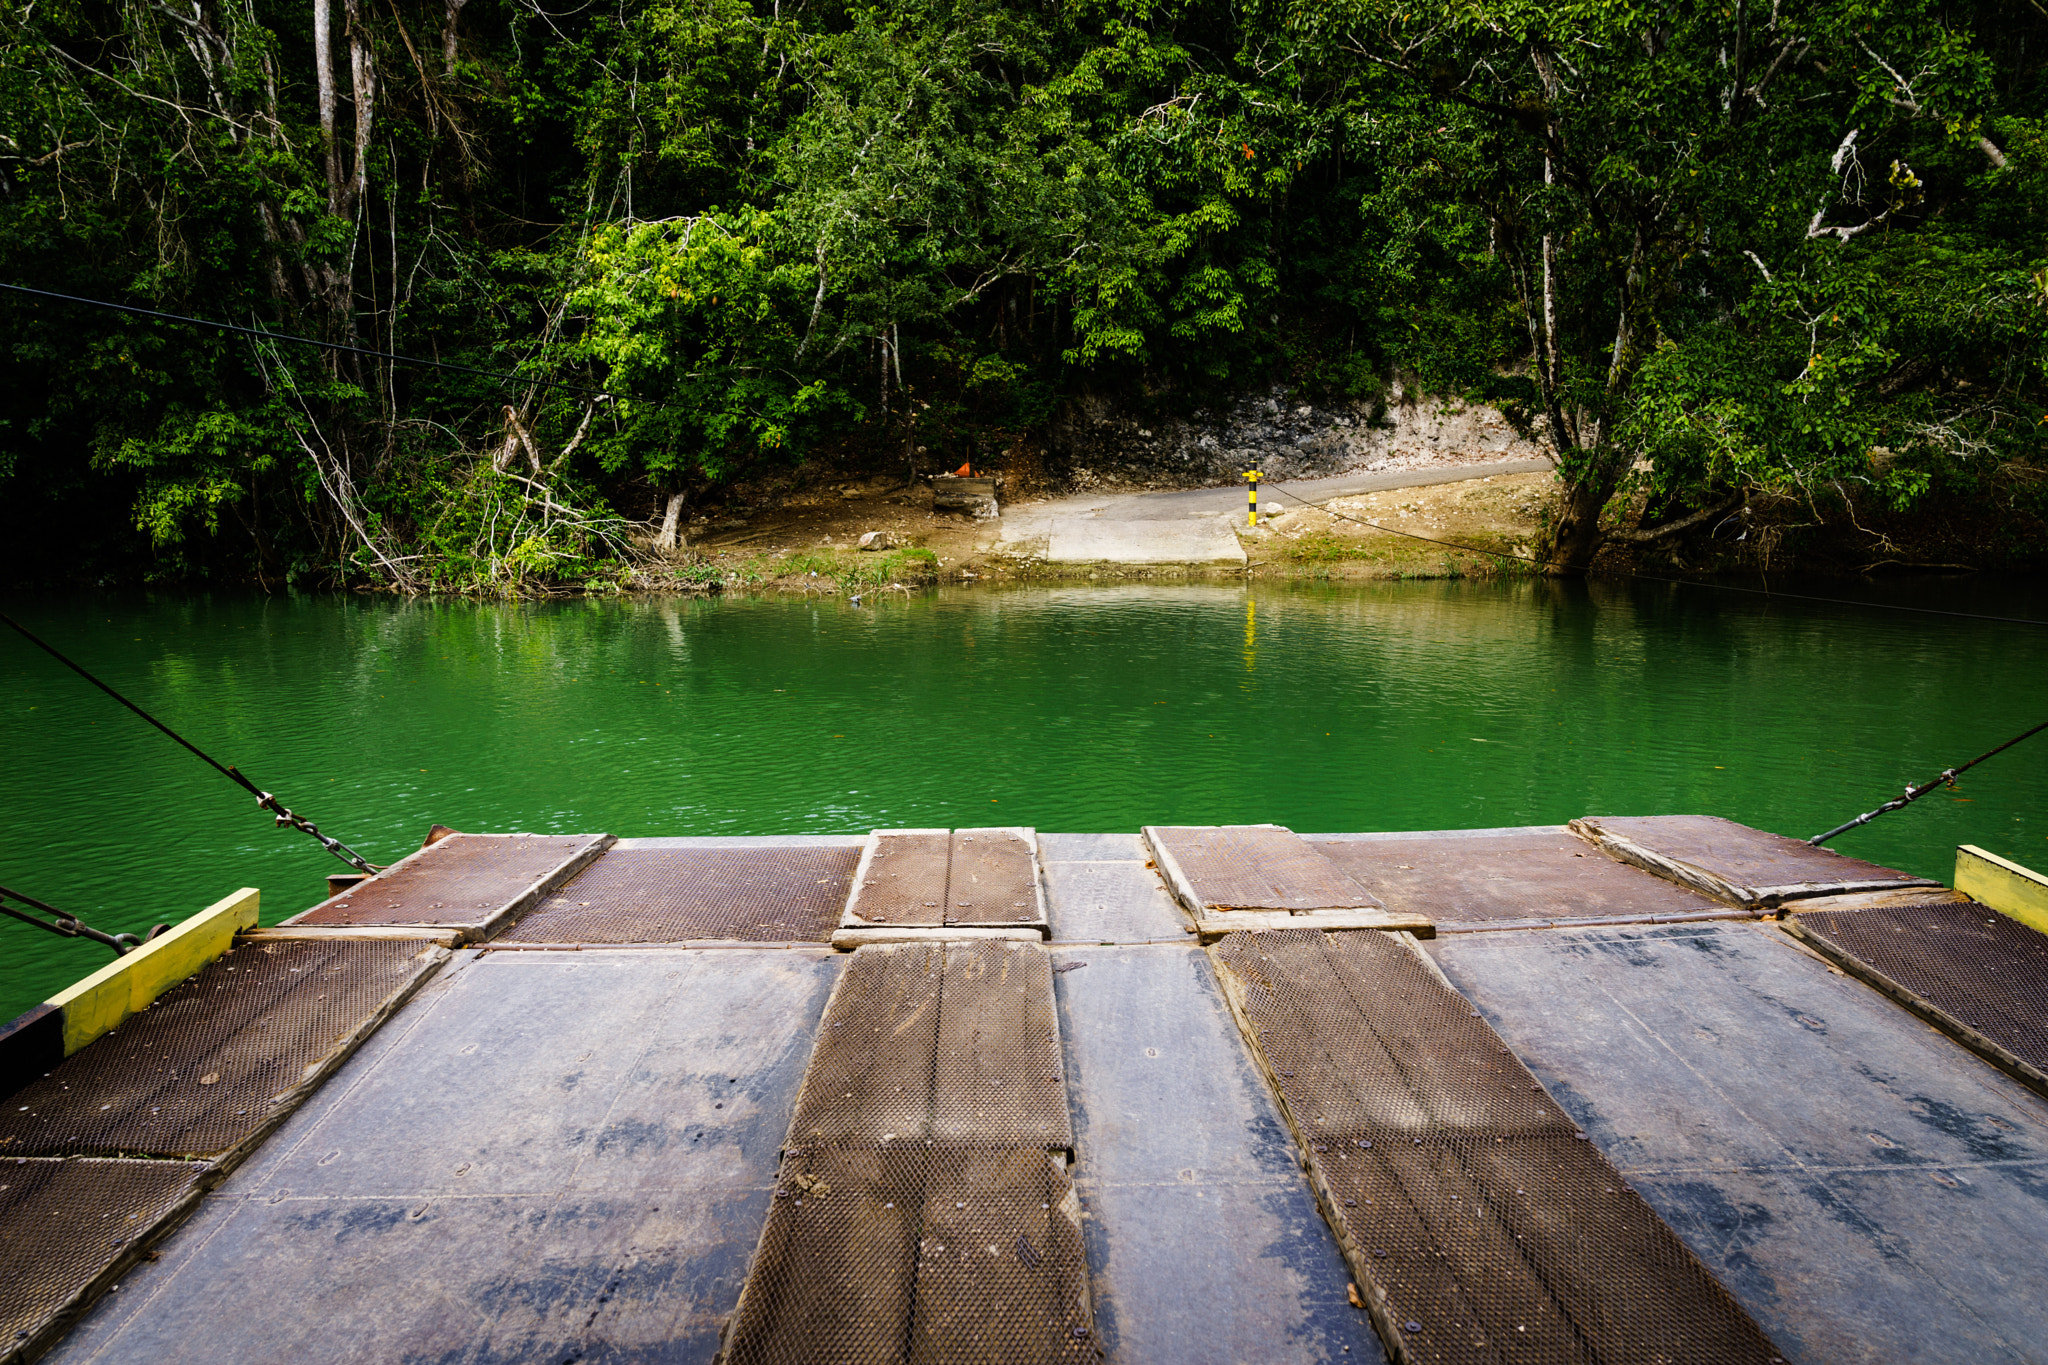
1648	1089
1194	526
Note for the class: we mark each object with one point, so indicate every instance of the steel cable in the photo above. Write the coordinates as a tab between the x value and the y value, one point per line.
1946	777
264	800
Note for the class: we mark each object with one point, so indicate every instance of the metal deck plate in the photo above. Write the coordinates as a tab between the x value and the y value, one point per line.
1984	971
905	881
922	1256
1546	876
484	1184
218	1056
1110	902
464	880
948	1043
971	877
1480	1223
923	1212
638	895
1762	863
993	878
1205	1246
1255	867
1871	1192
65	1224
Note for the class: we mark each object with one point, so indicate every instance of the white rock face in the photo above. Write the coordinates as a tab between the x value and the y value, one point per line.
1100	443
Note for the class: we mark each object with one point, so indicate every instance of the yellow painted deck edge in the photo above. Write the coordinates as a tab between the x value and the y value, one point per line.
130	982
2004	885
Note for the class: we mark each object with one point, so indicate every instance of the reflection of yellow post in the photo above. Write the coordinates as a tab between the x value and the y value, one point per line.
1251	634
1251	516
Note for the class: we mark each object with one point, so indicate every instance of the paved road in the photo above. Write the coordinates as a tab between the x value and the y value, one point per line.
1126	527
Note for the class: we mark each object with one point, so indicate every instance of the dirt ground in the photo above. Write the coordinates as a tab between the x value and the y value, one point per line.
807	540
1502	514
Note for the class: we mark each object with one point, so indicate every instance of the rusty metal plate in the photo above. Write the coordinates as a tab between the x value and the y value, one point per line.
1542	875
1253	867
466	879
1481	1226
923	1211
219	1056
993	878
903	879
949	1043
925	1257
1764	863
1983	970
996	1076
665	895
65	1224
870	1077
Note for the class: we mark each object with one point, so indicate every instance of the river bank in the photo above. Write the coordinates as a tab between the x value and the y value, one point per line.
1424	527
813	541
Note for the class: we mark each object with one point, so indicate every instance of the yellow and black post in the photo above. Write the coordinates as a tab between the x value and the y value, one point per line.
1252	477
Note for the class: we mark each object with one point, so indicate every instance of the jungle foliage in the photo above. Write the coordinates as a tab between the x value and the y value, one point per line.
1775	263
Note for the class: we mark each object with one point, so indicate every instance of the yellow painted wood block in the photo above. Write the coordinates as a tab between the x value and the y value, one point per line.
130	982
2004	885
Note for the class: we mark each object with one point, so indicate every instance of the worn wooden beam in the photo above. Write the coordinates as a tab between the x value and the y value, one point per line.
1211	927
1624	849
132	981
2017	892
439	935
846	940
1877	900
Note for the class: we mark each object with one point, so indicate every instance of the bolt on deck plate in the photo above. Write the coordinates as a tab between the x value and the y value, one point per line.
220	1057
1542	875
66	1226
923	1211
1733	862
970	878
470	881
1980	974
666	895
1479	1223
1251	867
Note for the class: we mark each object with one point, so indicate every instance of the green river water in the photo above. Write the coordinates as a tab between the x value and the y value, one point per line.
1425	705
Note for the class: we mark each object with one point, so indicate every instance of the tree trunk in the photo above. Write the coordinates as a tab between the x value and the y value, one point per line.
1597	468
1575	537
448	35
671	521
363	75
323	75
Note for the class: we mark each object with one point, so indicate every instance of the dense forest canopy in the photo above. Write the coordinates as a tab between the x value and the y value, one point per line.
1780	261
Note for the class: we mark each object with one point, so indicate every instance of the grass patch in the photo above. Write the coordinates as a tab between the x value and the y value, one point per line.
861	572
1322	547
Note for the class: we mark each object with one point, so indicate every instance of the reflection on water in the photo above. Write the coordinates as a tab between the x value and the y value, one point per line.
1390	706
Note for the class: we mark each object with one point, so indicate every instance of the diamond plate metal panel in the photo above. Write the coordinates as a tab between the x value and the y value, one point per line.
1479	1224
1539	875
1254	867
218	1056
65	1224
903	879
1986	972
753	894
465	880
919	1215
